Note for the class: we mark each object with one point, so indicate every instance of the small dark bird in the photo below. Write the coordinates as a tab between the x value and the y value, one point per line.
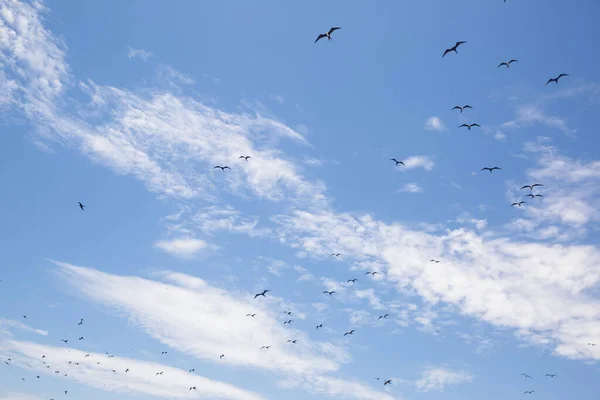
262	294
287	312
376	379
127	370
518	204
292	341
250	315
81	206
192	370
490	169
319	326
507	63
265	347
534	195
287	322
328	34
80	322
591	344
531	186
529	392
453	48
469	126
551	375
371	273
25	316
388	382
435	261
383	316
350	332
81	338
222	168
245	157
159	373
461	108
64	340
193	388
336	254
526	376
397	162
163	352
555	80
329	293
221	356
352	280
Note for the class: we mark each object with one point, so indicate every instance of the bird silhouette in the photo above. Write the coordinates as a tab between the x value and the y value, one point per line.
397	162
435	261
159	373
520	203
388	382
250	315
534	195
193	388
461	108
292	340
329	292
371	273
81	206
469	126
507	63
288	322
163	352
529	392
591	344
192	370
245	157
555	80
319	326
350	332
526	376
287	312
328	34
262	294
222	168
336	254
352	280
551	375
490	169
531	186
453	48
265	347
221	356
383	316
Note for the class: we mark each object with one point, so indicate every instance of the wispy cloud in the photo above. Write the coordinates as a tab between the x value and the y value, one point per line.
6	325
278	98
182	247
139	53
436	379
434	124
533	114
413	162
411	188
18	396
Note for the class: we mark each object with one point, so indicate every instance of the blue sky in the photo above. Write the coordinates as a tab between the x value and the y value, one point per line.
127	106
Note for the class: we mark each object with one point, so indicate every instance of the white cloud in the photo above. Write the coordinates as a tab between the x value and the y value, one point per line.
533	114
499	136
434	124
313	162
182	247
411	188
278	98
424	162
139	53
141	378
18	396
6	325
438	378
304	274
174	76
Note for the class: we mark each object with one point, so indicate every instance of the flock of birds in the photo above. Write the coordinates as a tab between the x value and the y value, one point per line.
246	158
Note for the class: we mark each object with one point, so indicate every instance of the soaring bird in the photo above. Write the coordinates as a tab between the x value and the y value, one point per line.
265	347
453	48
371	273
81	206
397	162
331	292
81	338
159	373
555	80
292	341
287	322
490	169
507	63
388	382
350	332
383	316
328	34
262	294
80	322
551	375
469	126
336	254
287	312
127	370
251	315
435	261
526	376
529	392
163	352
192	370
64	340
591	344
245	157
461	108
518	204
319	326
222	168
193	388
534	195
221	356
352	280
531	186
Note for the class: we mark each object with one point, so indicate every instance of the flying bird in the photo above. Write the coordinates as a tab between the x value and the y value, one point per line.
245	157
319	326
163	352
435	261
287	322
469	126
64	340
292	341
80	322
81	338
388	382
555	80
262	294
222	168
591	344
192	370
159	373
453	48
534	195
336	254
221	356
371	273
127	370
328	34
529	392
265	347
329	293
461	108
397	162
350	332
551	375
507	63
352	280
287	312
250	315
81	206
518	204
490	169
531	186
383	316
193	388
526	376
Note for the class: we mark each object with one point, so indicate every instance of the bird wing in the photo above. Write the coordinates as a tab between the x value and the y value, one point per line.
484	168
459	43
561	75
321	36
467	106
476	125
456	108
536	184
335	28
501	64
460	126
514	204
446	52
216	166
496	168
550	80
525	187
512	61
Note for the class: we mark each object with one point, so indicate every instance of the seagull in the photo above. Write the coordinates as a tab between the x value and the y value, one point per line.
330	292
81	206
453	48
555	80
490	169
397	162
350	332
461	108
371	273
245	157
435	261
261	294
288	322
526	376
352	280
292	341
328	34
222	168
534	195
388	382
507	63
319	326
469	126
336	254
531	186
250	315
383	316
529	392
551	375
518	204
